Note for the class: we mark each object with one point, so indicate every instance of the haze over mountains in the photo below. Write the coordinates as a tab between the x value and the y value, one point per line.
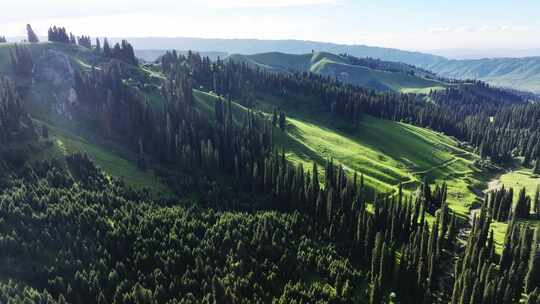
516	73
484	53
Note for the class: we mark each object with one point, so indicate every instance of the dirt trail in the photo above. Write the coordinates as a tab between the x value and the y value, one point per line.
494	184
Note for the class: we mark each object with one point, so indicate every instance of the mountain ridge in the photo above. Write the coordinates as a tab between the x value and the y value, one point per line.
519	79
365	72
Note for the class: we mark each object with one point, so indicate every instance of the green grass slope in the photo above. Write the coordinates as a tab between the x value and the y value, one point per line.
111	159
342	68
387	153
375	79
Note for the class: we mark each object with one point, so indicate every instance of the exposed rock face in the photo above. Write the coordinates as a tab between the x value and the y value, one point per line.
56	70
55	67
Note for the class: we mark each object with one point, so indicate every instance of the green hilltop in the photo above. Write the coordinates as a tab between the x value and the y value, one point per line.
366	72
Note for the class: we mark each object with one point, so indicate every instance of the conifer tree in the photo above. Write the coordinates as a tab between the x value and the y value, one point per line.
274	117
72	39
282	120
536	202
376	296
536	168
523	205
532	278
376	256
106	47
32	37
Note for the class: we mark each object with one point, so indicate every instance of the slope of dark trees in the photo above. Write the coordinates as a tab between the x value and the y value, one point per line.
15	123
496	121
483	277
21	61
72	235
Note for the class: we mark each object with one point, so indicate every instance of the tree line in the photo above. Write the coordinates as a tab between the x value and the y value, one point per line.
501	205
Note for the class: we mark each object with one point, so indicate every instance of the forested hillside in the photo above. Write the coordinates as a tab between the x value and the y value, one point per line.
365	72
199	181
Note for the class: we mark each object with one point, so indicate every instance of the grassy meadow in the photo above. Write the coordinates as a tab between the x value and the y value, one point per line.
387	153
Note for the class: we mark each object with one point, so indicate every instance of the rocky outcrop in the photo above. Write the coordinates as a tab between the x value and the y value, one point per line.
56	70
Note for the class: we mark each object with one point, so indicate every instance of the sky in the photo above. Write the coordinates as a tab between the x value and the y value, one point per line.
410	24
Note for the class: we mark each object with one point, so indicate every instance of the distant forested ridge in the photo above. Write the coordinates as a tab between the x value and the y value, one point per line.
516	73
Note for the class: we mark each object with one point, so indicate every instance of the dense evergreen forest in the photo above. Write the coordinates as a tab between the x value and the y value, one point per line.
261	230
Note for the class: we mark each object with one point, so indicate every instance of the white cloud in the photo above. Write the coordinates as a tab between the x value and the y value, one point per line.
478	28
265	3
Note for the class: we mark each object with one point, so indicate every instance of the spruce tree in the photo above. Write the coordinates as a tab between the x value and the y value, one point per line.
375	296
536	202
282	120
523	205
106	48
536	168
32	37
376	256
532	279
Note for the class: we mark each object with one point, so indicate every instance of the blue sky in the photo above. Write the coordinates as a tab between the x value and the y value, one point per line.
411	24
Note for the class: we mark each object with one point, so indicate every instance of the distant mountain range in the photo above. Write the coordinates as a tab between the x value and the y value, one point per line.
516	73
255	46
484	53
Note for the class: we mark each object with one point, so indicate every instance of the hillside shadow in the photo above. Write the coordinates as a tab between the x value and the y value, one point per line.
295	144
